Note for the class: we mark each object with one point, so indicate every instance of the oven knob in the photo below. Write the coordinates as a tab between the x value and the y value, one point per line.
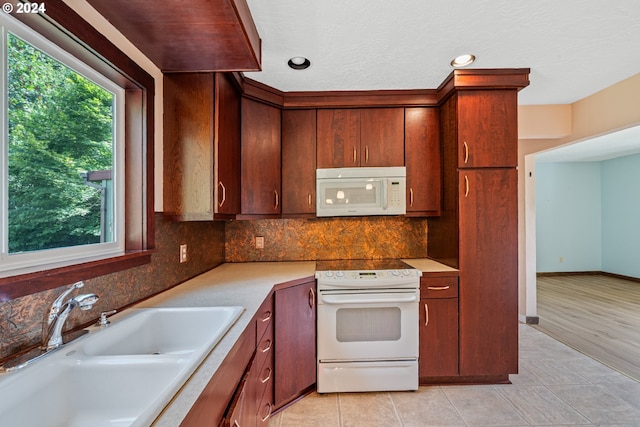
406	273
395	273
328	274
340	274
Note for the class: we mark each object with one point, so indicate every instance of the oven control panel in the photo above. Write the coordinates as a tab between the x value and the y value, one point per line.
367	275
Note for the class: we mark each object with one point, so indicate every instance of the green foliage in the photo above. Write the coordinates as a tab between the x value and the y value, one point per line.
60	125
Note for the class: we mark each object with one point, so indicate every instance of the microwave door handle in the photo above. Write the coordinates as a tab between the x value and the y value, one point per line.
384	194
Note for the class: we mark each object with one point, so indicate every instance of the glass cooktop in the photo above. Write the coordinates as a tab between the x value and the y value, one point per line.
361	264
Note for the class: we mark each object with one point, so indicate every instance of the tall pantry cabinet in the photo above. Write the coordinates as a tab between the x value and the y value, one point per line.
478	231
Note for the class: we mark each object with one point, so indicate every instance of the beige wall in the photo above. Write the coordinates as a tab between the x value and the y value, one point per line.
543	127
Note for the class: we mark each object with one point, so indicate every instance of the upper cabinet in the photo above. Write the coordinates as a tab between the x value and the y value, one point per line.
201	146
299	163
260	176
422	159
487	128
199	35
365	137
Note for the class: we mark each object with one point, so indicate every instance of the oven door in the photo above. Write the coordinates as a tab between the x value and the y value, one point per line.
368	325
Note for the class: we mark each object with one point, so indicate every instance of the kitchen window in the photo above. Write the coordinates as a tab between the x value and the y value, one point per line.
83	157
61	144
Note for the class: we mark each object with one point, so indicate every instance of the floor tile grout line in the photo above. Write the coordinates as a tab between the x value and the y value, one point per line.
395	409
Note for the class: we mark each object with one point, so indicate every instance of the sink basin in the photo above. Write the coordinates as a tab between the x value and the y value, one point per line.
122	375
164	331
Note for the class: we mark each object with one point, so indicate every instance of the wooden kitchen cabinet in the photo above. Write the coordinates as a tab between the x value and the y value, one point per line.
295	342
422	159
253	400
477	231
487	126
298	163
438	328
201	146
488	271
260	160
367	137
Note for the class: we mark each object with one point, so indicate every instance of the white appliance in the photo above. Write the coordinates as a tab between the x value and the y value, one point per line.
361	191
367	333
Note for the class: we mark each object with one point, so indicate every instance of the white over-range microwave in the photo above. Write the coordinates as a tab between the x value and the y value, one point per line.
361	191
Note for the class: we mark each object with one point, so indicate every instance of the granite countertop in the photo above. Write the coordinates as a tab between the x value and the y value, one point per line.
234	284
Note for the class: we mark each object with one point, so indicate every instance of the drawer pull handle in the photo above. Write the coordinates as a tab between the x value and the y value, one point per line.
309	199
366	154
268	376
312	298
355	158
438	288
224	194
235	423
466	186
426	314
266	417
466	151
268	347
275	192
267	316
411	197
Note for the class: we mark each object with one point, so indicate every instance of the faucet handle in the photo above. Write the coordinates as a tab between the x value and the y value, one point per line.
103	318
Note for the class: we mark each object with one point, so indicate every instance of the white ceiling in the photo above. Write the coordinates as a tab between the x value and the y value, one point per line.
573	47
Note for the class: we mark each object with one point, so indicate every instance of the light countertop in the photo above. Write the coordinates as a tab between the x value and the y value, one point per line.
234	284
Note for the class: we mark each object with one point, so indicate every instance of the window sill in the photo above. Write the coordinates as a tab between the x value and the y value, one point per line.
19	285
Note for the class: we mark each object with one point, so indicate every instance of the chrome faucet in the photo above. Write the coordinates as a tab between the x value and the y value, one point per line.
58	313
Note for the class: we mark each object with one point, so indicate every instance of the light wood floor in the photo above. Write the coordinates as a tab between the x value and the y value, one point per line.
595	314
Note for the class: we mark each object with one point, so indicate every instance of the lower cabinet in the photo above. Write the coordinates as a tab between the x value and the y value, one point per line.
272	364
438	328
253	400
295	341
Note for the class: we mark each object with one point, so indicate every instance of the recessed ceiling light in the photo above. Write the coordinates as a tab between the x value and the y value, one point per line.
463	60
299	63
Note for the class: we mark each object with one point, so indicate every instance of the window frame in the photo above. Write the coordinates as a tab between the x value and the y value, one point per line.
22	262
64	27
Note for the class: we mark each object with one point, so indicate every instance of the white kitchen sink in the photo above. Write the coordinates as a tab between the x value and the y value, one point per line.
122	375
164	331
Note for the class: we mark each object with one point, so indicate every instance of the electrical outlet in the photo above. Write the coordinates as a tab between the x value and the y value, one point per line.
183	253
259	242
561	259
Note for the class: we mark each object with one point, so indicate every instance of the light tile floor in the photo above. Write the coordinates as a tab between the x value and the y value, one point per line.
556	386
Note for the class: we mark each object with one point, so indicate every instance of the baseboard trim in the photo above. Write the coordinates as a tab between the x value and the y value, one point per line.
588	273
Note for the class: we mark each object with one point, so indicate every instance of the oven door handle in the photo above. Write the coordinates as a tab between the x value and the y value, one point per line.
341	299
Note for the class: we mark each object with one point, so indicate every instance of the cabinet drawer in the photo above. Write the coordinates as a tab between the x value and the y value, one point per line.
265	407
263	317
439	287
264	350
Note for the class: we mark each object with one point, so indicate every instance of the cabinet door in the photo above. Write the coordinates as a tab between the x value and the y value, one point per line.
227	125
260	158
422	159
338	138
295	342
298	162
438	337
381	137
487	128
488	271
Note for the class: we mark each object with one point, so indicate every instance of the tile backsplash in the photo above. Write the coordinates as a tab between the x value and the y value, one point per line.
21	318
326	239
210	244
